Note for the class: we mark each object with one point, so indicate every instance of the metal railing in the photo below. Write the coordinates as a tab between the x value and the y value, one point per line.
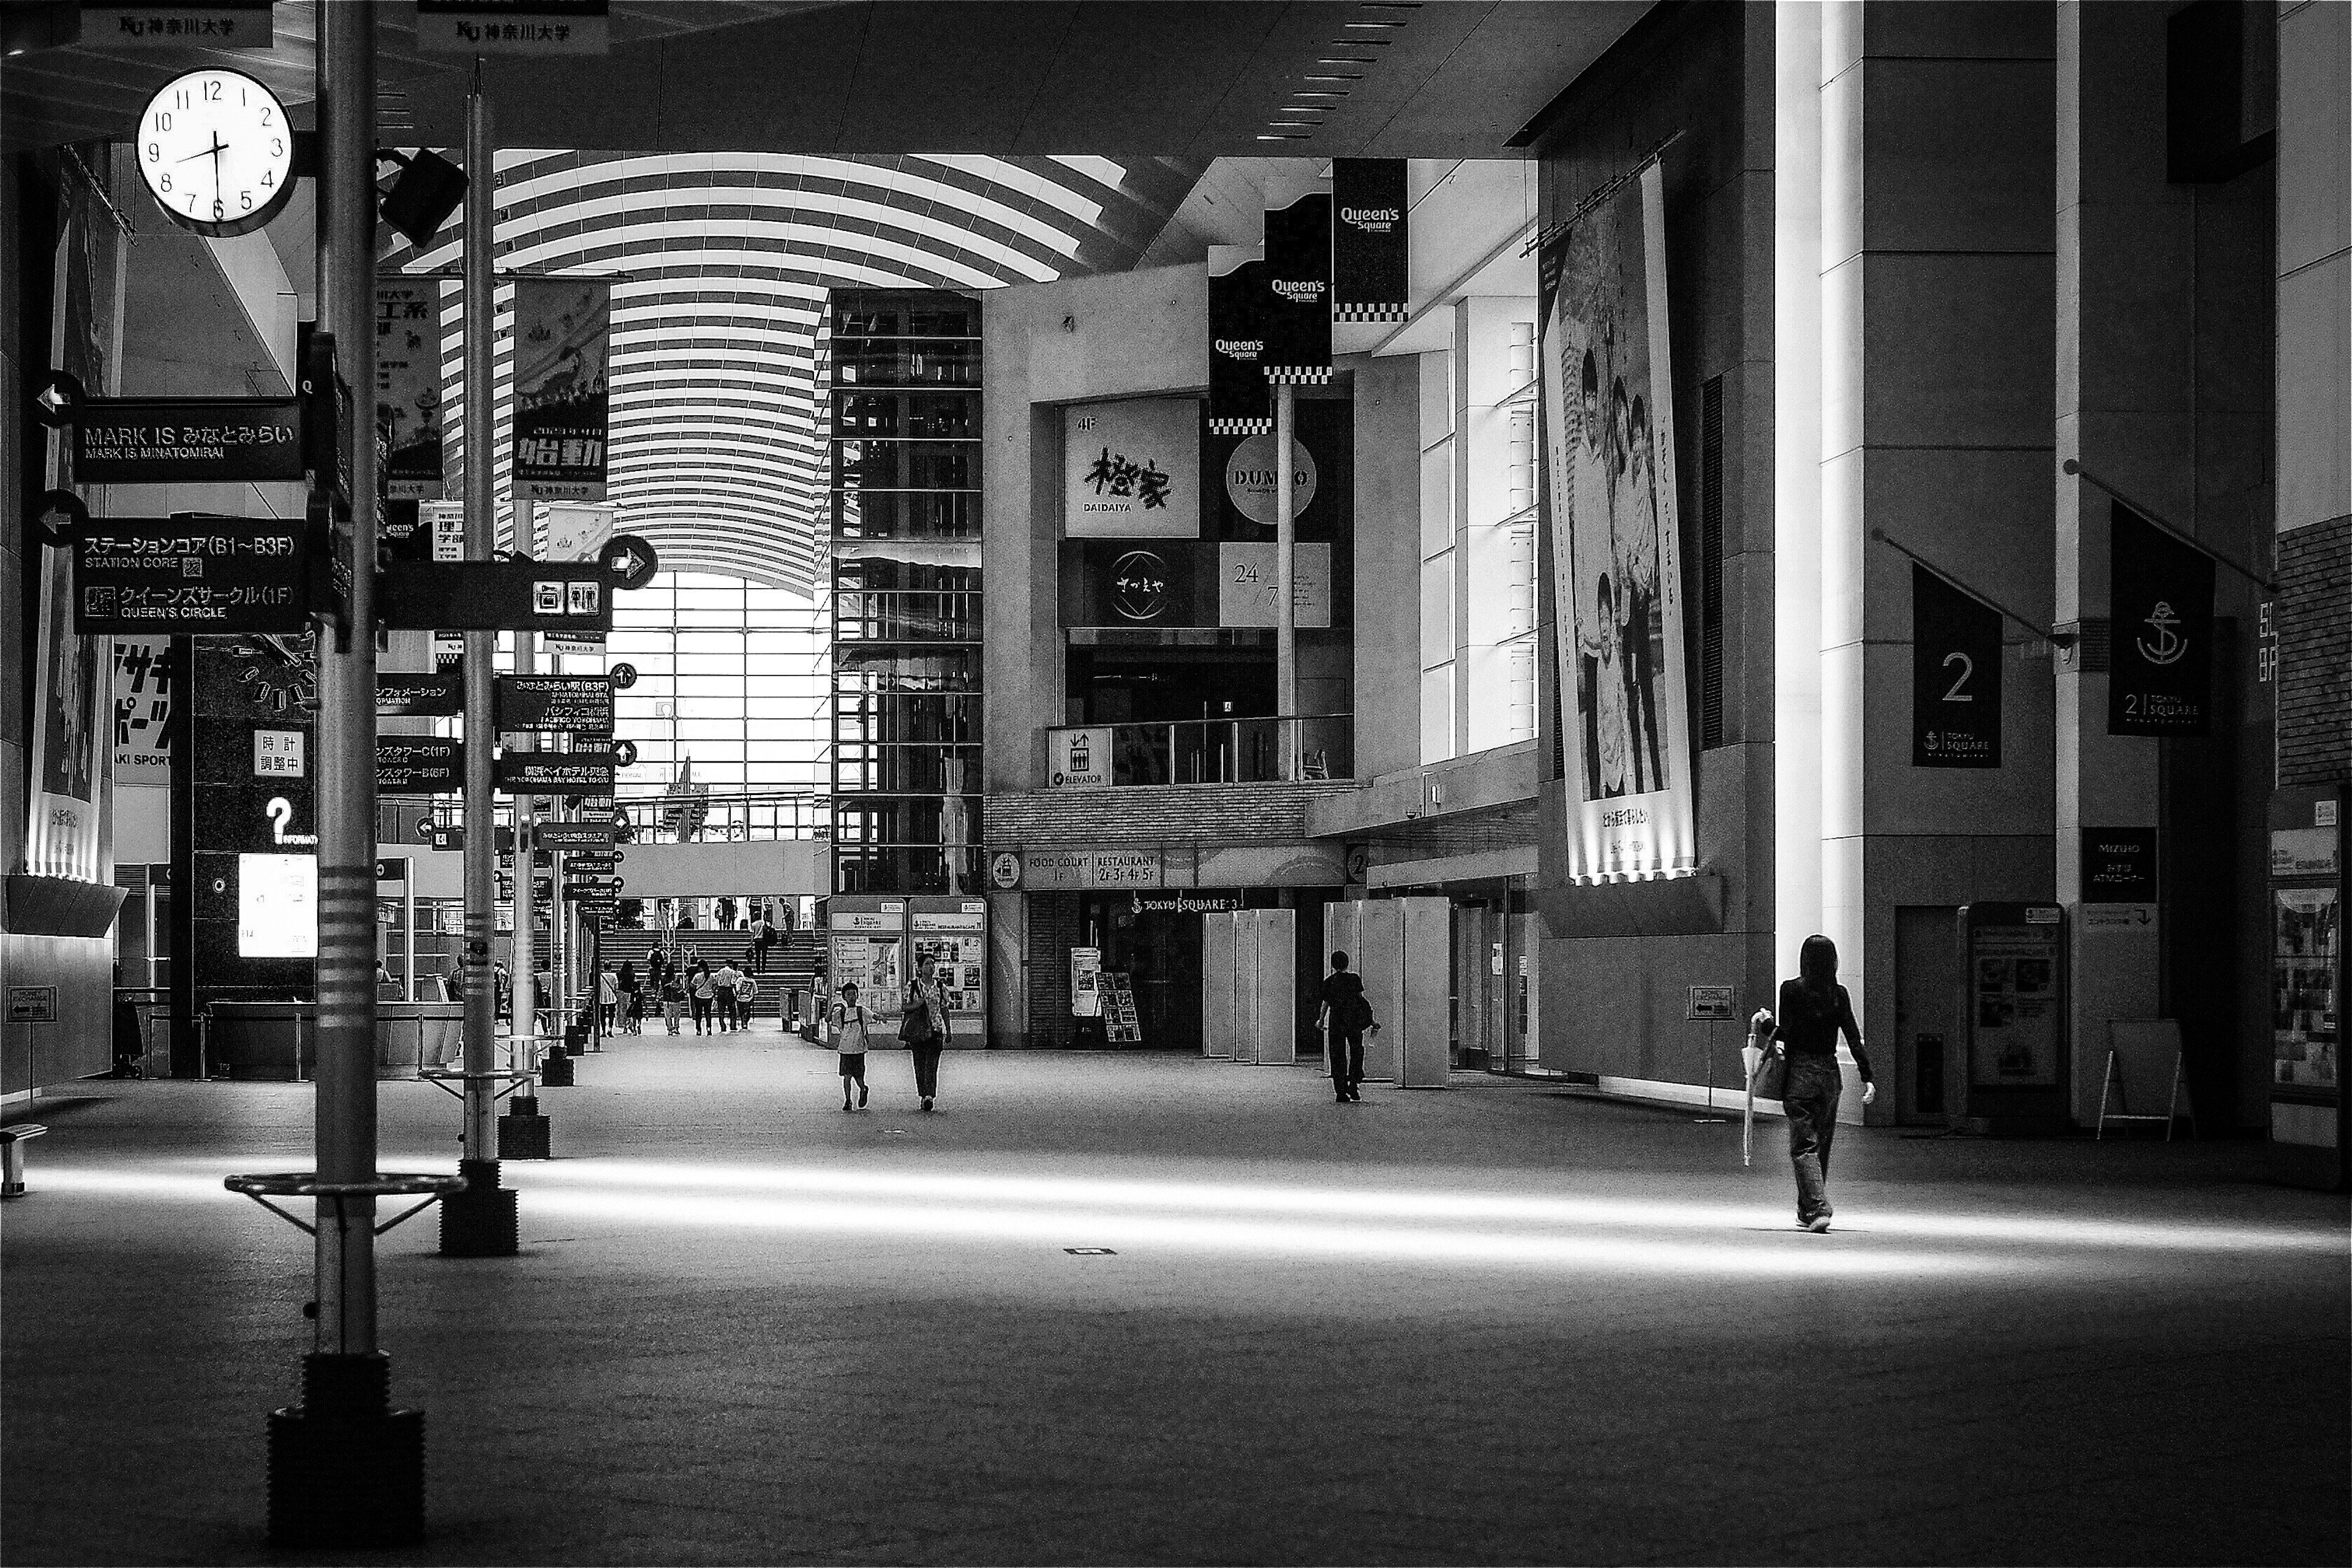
1201	751
674	819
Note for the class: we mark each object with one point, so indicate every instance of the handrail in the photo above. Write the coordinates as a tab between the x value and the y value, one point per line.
1270	748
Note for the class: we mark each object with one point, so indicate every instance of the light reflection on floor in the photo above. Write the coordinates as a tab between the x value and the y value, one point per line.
1371	1223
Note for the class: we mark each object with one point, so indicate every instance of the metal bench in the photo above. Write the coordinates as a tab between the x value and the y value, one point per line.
13	1139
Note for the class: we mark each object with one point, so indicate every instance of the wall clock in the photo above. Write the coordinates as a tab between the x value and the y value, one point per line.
216	151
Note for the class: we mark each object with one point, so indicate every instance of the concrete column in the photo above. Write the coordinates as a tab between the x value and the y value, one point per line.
1936	418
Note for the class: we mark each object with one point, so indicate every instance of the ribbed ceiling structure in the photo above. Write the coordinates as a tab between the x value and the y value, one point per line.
722	262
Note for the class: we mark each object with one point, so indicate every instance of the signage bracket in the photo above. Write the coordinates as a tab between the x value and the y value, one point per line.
2047	634
2148	514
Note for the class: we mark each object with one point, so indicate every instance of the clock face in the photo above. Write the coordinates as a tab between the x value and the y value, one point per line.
216	151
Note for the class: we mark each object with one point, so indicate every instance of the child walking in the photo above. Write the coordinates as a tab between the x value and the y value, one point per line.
847	1022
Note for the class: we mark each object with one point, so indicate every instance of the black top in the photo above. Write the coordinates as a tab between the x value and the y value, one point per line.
1810	1024
1343	993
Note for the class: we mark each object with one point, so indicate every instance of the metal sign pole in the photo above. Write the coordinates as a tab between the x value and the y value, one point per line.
345	1467
480	1222
526	895
1285	575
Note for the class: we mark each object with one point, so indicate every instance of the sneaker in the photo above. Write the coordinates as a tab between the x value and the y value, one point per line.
926	1102
1819	1222
861	1096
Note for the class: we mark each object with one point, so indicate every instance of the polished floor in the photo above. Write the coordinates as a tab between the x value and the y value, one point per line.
1149	1308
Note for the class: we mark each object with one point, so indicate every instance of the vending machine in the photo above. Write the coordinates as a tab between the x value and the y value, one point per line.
2309	1140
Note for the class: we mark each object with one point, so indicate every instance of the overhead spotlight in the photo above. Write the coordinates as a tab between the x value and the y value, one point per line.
421	200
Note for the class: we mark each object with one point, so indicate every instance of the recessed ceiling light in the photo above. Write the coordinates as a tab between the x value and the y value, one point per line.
1302	124
1263	137
1361	43
1319	93
1356	77
1347	60
1372	24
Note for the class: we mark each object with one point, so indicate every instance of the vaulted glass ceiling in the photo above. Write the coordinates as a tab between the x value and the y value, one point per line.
722	264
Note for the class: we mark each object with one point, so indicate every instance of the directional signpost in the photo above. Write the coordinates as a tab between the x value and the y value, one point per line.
175	440
134	576
576	835
556	772
419	764
496	595
573	703
438	696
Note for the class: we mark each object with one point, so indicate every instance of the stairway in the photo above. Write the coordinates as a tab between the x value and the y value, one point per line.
792	962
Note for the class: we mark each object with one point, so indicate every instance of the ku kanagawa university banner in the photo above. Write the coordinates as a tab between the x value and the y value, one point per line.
562	341
1606	366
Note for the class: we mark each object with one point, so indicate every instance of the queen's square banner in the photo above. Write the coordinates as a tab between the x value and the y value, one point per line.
1609	434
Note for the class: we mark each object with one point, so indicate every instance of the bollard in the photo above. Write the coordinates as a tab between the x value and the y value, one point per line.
522	1131
345	1469
480	1221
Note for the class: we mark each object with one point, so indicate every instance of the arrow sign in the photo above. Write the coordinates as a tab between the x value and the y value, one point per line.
67	505
629	560
622	676
59	399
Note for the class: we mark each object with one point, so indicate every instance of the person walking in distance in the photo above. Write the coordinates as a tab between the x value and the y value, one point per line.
633	1013
673	998
846	1024
1344	1015
608	995
923	1027
700	993
723	982
1815	1011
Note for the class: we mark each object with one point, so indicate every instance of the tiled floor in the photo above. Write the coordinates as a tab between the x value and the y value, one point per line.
1504	1323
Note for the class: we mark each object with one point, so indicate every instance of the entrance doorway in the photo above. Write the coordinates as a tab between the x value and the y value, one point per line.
1930	1044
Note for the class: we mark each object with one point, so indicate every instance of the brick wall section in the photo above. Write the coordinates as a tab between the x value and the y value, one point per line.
2314	653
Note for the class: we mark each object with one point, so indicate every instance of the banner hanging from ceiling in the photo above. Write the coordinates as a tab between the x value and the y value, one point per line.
1298	292
562	341
1954	676
2160	593
1370	246
1606	366
408	386
1239	404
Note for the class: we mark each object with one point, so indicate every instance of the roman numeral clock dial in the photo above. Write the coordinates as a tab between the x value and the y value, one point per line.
216	151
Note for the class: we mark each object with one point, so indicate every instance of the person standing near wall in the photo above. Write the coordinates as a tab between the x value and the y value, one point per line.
1815	1011
1343	1015
924	1026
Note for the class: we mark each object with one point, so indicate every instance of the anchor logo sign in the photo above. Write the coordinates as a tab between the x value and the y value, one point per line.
2169	645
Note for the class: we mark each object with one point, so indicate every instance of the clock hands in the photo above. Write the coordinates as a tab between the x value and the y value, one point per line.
212	151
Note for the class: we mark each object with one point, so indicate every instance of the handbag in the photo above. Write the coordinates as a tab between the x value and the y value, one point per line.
915	1028
1771	1079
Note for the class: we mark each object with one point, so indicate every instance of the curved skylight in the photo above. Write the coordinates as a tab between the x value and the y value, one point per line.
717	448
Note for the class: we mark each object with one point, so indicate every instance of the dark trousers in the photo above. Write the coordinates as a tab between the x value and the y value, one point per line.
927	1067
1346	1053
702	1013
728	1017
1641	687
1811	1103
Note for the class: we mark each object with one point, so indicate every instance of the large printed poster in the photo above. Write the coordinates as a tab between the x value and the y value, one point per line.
1616	567
408	385
73	697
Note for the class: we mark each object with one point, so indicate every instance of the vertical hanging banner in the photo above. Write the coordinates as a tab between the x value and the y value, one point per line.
2160	594
408	387
1298	292
1954	676
1607	371
1238	401
562	338
1371	274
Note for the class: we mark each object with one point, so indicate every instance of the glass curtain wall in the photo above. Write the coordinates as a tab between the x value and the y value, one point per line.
730	686
905	382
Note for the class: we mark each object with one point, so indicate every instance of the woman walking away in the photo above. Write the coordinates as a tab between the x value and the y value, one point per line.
924	1026
846	1024
673	998
1815	1011
703	993
1344	1016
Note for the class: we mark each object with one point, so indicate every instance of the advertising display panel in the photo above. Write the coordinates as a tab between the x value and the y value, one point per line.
144	668
1605	363
2310	1117
2014	964
957	939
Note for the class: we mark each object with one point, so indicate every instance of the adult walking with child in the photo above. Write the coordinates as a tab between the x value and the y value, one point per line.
923	1027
